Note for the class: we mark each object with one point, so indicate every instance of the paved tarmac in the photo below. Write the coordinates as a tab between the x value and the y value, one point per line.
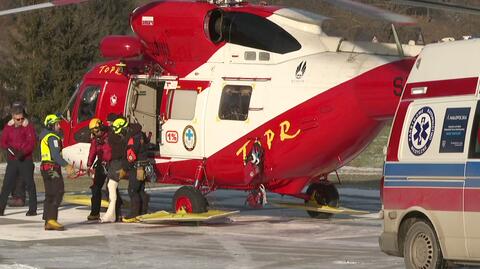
266	238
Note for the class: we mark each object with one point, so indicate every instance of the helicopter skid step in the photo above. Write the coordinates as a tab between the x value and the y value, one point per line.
322	209
164	216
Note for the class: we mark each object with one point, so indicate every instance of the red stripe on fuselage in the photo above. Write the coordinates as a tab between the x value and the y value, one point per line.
441	88
472	200
441	199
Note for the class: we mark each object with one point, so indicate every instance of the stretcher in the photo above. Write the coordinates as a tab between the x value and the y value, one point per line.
319	208
182	216
81	199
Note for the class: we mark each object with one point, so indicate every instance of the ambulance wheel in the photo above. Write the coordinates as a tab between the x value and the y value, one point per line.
421	249
190	199
324	193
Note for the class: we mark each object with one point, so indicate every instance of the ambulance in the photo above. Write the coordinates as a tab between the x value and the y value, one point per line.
431	183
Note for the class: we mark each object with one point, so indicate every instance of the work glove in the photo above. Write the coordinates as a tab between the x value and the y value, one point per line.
140	174
70	170
122	174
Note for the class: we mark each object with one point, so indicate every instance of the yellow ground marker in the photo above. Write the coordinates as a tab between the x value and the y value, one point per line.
182	216
322	209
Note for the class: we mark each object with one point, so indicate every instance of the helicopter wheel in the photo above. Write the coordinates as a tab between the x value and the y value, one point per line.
323	193
190	199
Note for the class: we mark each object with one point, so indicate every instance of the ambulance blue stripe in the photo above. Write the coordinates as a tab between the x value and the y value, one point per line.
435	184
473	169
424	170
472	183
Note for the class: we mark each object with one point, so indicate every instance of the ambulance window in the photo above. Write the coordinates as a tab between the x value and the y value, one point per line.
474	150
88	103
181	104
235	102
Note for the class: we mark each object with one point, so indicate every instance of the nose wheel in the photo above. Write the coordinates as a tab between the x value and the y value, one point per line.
189	199
322	194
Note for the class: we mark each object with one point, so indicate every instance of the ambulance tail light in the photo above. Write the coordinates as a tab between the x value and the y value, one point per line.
118	46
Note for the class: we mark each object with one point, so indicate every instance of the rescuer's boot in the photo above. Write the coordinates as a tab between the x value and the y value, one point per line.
130	220
53	225
93	217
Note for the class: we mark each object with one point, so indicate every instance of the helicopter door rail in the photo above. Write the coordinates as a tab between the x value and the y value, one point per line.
245	79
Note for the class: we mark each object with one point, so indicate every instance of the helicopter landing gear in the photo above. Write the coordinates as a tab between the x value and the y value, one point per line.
322	193
190	200
257	198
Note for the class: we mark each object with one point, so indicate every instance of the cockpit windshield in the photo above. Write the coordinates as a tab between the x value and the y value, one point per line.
67	112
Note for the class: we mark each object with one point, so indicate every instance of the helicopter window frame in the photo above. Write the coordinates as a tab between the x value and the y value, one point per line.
181	104
67	112
235	102
257	32
87	110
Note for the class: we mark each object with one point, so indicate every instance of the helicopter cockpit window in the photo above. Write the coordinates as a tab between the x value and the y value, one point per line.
181	104
235	102
88	103
257	32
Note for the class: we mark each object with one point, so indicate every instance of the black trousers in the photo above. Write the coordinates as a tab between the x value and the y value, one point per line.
54	190
98	182
138	196
22	169
20	188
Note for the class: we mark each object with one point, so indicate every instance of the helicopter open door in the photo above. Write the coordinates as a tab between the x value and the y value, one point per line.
182	115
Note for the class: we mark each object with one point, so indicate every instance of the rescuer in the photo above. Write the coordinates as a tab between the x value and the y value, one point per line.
18	139
117	168
99	157
52	161
137	159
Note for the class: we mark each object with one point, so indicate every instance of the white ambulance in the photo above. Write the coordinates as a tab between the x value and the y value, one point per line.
431	192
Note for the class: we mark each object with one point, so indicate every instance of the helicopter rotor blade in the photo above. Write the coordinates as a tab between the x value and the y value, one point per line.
40	6
372	11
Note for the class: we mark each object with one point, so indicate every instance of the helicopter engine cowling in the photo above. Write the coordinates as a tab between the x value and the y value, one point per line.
119	46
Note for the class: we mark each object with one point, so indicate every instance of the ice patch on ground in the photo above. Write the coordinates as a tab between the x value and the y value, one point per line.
16	266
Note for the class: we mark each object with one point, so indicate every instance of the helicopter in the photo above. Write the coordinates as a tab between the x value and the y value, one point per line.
241	96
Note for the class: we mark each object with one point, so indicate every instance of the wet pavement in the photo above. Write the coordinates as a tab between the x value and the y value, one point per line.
255	238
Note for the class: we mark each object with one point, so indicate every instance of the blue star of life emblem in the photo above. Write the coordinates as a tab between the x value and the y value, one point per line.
420	133
189	138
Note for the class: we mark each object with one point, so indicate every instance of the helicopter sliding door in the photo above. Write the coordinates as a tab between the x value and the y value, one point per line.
144	99
235	108
183	120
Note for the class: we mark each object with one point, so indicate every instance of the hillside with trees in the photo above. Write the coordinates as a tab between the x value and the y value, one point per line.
44	53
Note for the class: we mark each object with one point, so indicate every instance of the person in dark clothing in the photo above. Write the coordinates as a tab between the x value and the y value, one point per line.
52	161
18	139
100	151
117	168
137	158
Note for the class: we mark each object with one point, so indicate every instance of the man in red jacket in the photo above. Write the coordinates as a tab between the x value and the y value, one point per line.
100	151
18	139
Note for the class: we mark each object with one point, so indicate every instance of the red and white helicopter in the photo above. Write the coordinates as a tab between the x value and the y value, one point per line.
240	96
